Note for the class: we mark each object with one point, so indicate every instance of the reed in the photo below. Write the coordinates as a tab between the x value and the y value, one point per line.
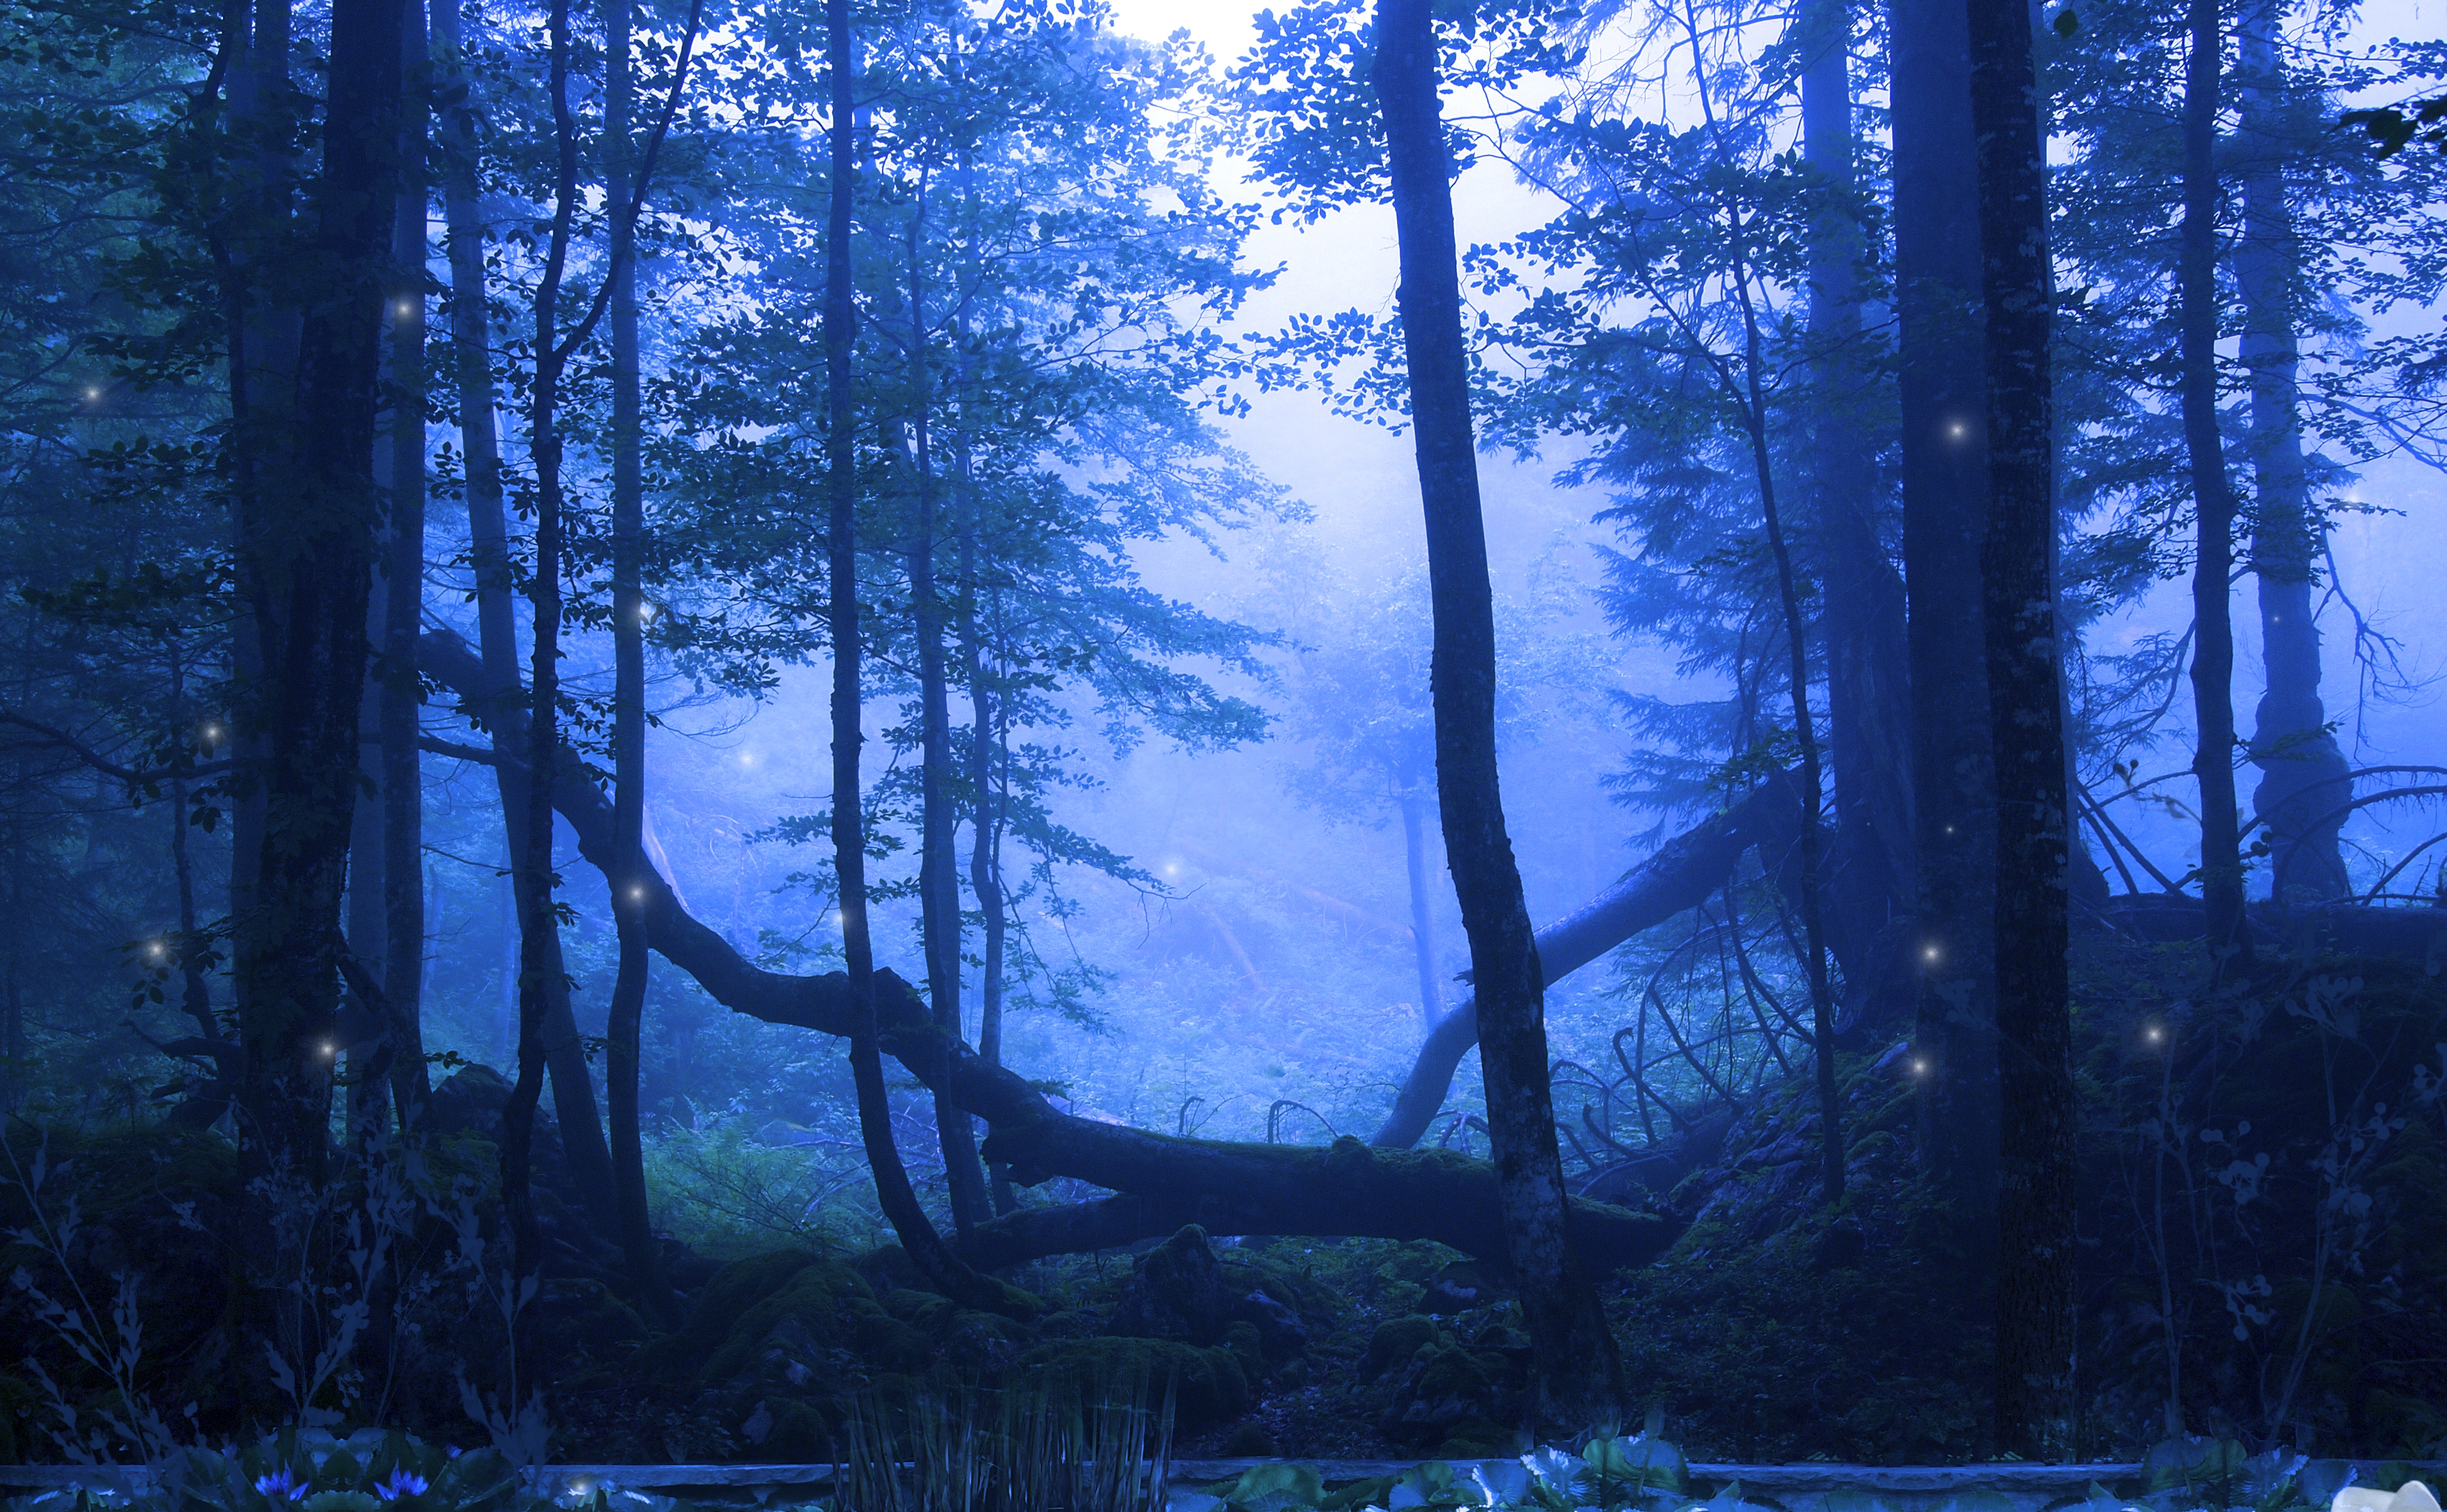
1053	1444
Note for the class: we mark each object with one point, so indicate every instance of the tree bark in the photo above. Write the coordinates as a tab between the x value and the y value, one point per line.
2034	1272
303	569
1943	396
1422	919
2213	505
2303	773
1576	1374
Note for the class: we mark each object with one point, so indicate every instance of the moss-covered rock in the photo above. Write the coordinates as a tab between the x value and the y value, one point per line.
1449	1385
1396	1340
1208	1385
1175	1292
794	1433
833	1304
980	1343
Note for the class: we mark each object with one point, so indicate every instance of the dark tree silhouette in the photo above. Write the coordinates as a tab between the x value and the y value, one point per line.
2034	1204
1579	1377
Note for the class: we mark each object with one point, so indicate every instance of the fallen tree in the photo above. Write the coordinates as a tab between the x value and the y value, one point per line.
1345	1189
1383	1189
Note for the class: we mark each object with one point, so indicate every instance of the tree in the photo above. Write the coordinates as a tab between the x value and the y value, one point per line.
2034	1270
2213	504
1579	1379
306	508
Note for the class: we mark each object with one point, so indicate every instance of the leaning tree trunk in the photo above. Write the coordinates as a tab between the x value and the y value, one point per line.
1577	1374
2213	505
2304	778
1943	396
2034	1270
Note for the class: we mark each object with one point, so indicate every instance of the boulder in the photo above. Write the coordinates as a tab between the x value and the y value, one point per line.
1175	1292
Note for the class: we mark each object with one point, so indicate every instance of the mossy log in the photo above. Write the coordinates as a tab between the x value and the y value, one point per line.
1343	1189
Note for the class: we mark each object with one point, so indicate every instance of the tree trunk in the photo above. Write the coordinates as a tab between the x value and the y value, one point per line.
539	927
1861	613
303	570
1943	396
2304	776
624	1024
2213	506
1578	1377
1422	919
497	701
2035	1270
943	1270
401	782
939	875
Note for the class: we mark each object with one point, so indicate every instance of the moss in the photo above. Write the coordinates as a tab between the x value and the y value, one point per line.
923	1311
799	1434
1476	1438
1395	1342
1208	1385
1243	1339
830	1300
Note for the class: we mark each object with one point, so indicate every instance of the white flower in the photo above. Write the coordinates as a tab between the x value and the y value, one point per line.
2416	1496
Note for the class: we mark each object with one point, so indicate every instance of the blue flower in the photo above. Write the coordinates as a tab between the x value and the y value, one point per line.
281	1486
402	1483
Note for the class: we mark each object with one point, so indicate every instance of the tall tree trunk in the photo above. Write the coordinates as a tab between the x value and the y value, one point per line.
2304	776
1943	396
624	1025
403	787
573	1092
262	317
1414	803
943	1270
303	569
2035	1270
1578	1375
536	880
1861	613
2213	506
939	873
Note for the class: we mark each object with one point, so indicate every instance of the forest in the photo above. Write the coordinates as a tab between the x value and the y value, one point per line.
1398	729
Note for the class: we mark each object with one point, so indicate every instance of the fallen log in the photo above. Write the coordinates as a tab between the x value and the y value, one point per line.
1345	1189
1681	874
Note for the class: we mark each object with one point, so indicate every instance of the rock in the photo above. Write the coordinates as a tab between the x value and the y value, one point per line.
1393	1343
469	1101
1280	1335
1175	1292
1249	1441
1457	1288
1447	1386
